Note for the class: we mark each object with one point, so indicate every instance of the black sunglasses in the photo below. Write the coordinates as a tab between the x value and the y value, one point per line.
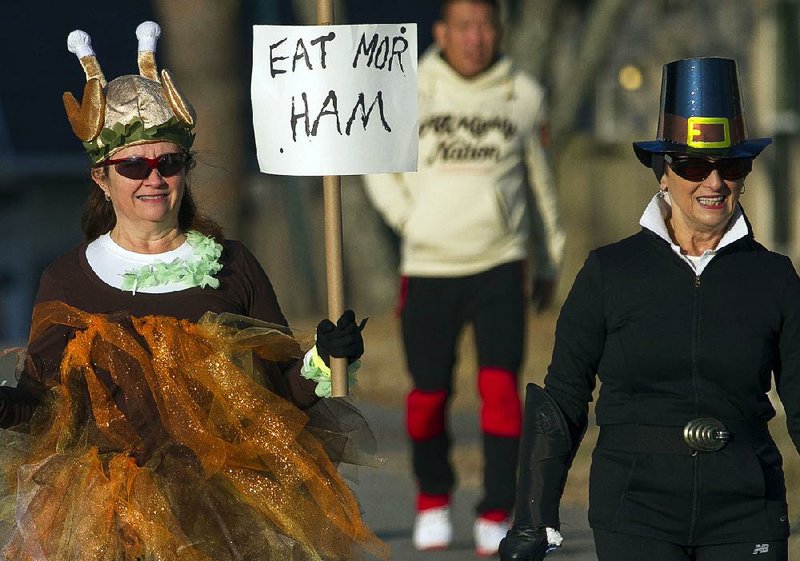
697	169
140	167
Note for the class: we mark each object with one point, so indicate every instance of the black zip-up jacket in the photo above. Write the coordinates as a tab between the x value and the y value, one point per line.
668	347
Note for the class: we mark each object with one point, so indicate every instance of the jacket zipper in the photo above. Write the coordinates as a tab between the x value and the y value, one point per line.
695	328
695	458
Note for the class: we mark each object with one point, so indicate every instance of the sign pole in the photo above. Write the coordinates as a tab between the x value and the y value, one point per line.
332	200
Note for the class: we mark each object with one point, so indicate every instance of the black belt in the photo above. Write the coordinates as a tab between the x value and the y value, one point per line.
698	435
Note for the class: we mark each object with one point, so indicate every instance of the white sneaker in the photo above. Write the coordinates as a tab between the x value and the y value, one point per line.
487	535
432	529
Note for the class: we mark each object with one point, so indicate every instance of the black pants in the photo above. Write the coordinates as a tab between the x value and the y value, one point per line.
613	546
433	315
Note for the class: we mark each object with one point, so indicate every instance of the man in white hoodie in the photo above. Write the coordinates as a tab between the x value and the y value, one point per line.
482	201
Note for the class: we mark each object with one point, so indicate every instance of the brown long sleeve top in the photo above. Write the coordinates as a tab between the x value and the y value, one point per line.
244	289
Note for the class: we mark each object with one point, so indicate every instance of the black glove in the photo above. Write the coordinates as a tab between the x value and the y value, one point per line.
524	544
342	340
546	450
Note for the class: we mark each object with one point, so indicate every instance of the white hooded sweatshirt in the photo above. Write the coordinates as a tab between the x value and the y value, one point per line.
466	210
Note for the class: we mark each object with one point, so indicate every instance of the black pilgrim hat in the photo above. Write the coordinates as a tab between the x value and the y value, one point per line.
701	113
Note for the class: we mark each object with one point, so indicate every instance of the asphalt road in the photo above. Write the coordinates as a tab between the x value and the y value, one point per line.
387	495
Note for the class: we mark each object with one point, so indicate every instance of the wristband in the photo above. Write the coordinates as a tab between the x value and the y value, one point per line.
315	369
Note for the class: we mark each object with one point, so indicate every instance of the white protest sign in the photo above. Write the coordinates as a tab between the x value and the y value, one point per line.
335	99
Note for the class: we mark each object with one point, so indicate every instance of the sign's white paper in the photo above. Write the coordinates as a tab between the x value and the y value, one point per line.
335	99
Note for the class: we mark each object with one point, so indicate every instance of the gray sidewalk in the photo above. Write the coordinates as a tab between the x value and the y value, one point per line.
387	495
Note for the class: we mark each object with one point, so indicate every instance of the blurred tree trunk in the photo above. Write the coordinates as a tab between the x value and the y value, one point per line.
530	36
787	108
543	37
201	40
598	37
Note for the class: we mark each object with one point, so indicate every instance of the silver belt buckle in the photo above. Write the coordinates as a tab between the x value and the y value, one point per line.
706	434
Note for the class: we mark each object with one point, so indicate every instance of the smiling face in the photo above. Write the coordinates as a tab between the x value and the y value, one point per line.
144	206
700	208
468	35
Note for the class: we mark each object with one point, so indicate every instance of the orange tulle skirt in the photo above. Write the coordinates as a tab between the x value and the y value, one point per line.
159	444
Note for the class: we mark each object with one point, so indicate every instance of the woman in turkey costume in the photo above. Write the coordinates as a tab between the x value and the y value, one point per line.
163	412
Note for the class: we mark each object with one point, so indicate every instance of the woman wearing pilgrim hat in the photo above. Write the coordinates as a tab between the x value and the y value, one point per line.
139	430
687	324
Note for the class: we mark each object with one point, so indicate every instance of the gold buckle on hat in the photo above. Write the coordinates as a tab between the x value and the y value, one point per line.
702	126
706	434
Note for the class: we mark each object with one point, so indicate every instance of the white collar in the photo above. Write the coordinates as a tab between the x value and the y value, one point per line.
657	212
110	261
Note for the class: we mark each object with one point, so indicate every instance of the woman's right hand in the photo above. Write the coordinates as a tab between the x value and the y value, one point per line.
524	544
340	340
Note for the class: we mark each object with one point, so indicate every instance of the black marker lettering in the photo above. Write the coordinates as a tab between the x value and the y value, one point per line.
368	50
322	39
296	116
332	99
403	46
300	53
383	48
366	113
272	70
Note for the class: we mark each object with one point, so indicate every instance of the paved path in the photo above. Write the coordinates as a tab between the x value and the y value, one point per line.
386	495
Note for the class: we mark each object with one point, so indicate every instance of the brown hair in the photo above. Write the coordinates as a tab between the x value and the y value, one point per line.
98	215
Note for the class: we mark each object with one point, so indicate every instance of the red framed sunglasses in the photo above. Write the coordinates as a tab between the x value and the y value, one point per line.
697	169
139	167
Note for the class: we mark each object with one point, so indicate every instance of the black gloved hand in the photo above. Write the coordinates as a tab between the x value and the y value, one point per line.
545	454
524	544
342	340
